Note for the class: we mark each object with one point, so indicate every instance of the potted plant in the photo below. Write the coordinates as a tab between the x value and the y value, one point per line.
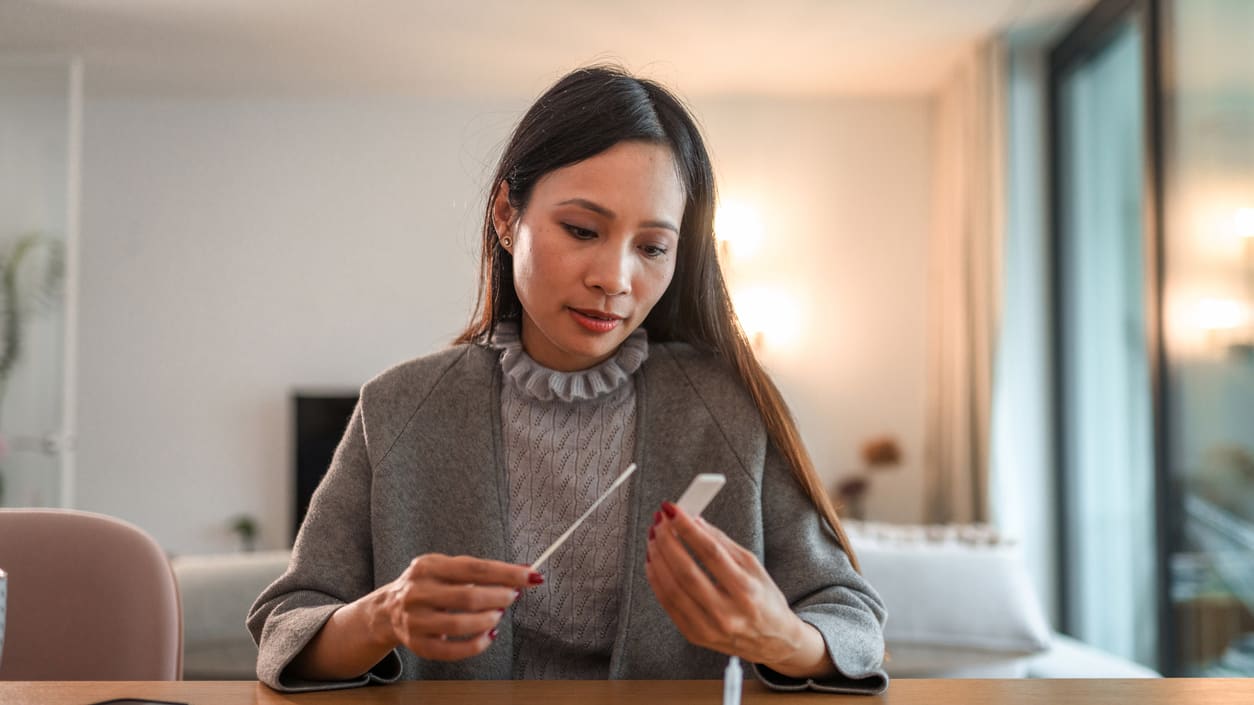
245	527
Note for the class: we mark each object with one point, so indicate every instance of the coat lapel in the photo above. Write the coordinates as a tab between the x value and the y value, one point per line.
647	642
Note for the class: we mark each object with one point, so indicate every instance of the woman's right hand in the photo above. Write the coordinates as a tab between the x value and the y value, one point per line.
446	608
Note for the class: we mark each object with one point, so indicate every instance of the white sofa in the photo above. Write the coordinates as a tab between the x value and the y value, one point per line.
960	605
217	591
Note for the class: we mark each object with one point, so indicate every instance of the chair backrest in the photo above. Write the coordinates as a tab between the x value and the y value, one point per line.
90	598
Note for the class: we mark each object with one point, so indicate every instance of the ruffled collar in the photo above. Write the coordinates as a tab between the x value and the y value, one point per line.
543	384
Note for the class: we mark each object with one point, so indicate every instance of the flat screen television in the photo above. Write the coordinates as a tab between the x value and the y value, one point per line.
320	420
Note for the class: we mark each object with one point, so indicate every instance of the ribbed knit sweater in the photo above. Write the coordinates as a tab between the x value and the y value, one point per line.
567	436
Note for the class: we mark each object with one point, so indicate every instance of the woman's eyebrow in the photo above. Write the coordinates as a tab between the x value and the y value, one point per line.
606	212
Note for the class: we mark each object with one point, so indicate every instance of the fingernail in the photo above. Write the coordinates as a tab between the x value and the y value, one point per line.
492	635
535	578
650	533
501	610
669	509
517	594
657	518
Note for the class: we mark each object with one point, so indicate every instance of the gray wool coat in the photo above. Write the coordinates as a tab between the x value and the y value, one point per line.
421	469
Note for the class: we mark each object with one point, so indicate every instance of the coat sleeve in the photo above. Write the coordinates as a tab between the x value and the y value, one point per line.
331	566
815	574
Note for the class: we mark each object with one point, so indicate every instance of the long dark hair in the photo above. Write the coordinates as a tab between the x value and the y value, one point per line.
585	113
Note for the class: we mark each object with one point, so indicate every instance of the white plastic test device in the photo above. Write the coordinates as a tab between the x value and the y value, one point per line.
700	491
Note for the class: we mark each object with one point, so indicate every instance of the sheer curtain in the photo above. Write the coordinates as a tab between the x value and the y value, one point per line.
965	285
1107	419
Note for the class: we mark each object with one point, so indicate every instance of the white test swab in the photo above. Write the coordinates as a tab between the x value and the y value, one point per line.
562	539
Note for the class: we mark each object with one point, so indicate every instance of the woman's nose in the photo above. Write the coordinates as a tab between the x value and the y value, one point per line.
610	271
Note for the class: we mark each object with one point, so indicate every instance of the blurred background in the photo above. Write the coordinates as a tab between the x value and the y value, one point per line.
998	255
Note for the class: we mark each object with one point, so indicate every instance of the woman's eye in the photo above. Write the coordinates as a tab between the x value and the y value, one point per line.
581	233
653	251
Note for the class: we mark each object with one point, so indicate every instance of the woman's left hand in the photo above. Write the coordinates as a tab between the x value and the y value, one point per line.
733	606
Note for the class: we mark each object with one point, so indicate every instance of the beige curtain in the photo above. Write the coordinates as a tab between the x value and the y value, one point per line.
964	285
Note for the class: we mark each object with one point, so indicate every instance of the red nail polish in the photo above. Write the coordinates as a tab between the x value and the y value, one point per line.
657	518
501	610
535	578
492	635
650	533
669	509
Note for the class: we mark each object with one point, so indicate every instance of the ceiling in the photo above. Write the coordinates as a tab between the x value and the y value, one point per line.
511	47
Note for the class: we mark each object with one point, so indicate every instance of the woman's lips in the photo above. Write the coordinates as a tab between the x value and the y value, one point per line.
596	322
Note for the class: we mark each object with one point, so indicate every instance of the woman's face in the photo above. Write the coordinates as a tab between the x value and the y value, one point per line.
593	251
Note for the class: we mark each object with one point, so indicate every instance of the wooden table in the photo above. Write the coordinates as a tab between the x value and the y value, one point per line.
1174	691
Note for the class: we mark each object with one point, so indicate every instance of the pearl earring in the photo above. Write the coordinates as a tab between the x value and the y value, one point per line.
506	242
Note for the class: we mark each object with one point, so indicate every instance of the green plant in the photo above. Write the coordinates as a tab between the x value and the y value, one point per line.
32	275
245	526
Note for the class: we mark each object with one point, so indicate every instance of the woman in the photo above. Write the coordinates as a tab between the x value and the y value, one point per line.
603	336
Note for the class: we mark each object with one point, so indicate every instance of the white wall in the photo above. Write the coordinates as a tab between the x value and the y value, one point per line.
236	249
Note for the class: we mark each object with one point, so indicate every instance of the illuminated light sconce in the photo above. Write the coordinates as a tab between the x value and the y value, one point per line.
769	316
1226	323
1220	314
739	229
1243	222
